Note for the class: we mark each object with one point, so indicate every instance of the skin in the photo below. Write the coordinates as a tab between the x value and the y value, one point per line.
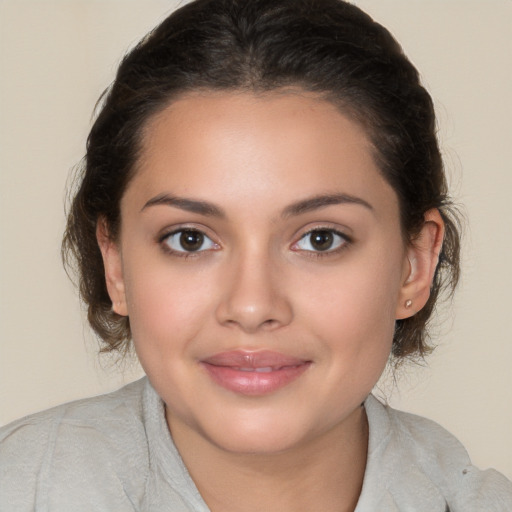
257	283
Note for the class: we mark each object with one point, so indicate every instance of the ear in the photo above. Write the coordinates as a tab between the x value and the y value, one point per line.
419	267
113	264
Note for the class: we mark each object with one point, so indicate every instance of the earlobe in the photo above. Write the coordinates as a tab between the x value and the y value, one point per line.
113	268
421	262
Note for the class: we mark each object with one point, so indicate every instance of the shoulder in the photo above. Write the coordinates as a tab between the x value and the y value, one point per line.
82	444
425	455
121	408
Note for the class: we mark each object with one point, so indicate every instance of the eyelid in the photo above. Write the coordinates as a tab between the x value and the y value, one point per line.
348	240
186	226
174	230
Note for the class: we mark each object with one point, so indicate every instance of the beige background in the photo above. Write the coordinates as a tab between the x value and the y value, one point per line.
55	59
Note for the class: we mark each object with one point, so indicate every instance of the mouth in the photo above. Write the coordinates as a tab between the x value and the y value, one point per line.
254	373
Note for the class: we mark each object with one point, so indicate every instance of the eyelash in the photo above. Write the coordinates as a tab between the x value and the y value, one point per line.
345	243
162	241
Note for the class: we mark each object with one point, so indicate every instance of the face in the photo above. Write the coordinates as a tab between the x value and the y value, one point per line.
262	266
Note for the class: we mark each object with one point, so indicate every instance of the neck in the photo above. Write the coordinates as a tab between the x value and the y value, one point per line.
322	474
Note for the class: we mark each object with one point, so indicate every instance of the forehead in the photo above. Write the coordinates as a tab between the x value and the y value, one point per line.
241	146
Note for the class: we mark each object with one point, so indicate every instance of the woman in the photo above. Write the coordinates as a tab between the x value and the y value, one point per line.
264	214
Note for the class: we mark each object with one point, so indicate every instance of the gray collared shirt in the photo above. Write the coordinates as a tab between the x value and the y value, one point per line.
114	453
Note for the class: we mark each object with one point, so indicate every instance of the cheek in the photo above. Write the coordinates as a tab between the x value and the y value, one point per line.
363	294
166	307
353	311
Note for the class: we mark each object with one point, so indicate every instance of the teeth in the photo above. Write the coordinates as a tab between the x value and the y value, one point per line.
266	369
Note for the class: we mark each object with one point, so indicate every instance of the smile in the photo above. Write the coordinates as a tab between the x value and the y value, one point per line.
254	373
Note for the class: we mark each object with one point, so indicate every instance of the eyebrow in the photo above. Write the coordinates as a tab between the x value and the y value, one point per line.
300	207
322	201
187	204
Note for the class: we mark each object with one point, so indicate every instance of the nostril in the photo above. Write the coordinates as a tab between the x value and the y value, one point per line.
250	326
252	302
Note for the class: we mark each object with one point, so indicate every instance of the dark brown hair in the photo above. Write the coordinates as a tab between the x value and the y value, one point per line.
329	47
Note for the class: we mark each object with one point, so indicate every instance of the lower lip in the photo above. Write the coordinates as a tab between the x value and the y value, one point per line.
254	383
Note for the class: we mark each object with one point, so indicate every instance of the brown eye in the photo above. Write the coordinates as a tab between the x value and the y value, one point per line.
188	240
321	240
191	240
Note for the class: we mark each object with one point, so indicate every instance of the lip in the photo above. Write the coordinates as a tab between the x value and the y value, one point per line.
254	373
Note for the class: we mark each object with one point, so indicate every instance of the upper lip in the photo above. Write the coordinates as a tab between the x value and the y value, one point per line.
253	359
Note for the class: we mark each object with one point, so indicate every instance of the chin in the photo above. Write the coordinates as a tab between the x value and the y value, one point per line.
262	444
264	436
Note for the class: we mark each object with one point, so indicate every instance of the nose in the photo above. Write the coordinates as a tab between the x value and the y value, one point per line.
253	297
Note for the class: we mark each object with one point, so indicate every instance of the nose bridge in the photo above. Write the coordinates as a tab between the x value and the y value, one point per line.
254	297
